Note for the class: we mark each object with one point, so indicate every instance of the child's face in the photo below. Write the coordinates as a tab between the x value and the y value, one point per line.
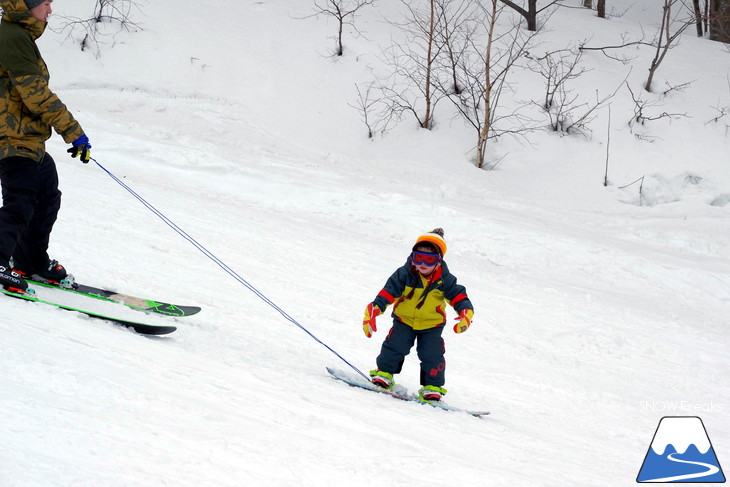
422	267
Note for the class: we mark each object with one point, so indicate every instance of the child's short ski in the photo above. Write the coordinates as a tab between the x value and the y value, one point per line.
140	304
404	397
143	328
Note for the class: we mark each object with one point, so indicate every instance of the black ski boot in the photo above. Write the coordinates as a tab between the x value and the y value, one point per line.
52	272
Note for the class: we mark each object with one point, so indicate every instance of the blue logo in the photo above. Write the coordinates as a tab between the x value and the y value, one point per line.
681	452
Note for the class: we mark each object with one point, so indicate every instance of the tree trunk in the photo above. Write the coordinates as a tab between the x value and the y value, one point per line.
720	20
698	16
427	118
661	50
530	14
602	8
588	3
486	123
340	48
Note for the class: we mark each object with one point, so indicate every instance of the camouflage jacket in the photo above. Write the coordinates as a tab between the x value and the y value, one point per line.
28	108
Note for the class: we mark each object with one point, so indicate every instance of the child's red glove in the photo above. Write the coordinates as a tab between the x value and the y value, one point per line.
464	319
368	322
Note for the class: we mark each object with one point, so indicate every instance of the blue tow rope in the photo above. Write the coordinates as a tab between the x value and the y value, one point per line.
223	265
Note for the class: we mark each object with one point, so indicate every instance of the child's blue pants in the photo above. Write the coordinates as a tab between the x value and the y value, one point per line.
430	349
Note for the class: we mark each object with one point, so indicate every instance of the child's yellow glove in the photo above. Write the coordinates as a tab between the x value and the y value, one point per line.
368	322
464	319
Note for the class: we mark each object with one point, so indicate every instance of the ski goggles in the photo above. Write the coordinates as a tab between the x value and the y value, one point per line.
425	258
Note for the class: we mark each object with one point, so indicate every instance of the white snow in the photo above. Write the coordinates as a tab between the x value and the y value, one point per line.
597	312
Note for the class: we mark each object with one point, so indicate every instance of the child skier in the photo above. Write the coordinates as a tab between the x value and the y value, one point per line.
418	292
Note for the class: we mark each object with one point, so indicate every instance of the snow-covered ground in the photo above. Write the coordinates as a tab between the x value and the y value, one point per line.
597	311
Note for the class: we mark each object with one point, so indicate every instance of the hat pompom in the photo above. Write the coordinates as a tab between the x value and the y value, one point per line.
435	238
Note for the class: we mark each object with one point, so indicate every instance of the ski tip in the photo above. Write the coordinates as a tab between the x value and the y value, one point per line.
333	372
179	311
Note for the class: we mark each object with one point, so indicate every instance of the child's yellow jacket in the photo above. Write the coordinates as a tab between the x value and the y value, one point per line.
420	302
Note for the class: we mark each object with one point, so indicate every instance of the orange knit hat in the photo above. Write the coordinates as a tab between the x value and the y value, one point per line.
436	238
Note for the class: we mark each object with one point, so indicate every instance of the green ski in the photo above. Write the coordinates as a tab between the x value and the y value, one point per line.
140	304
139	327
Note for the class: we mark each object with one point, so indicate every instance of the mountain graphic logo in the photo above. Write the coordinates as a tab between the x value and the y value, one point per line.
681	452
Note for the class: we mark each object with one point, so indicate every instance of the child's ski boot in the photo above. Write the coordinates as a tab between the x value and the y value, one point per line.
431	393
382	379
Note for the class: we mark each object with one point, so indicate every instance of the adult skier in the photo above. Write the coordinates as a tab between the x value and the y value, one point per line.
28	111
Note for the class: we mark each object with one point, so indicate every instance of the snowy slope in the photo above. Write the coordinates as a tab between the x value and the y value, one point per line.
595	315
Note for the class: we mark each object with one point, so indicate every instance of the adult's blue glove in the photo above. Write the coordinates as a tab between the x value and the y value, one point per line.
82	148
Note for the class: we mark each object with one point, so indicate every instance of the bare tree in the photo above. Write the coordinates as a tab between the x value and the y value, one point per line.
457	27
483	74
529	13
374	109
106	12
344	13
568	114
413	87
670	30
641	115
489	83
665	38
429	64
700	11
558	68
452	48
